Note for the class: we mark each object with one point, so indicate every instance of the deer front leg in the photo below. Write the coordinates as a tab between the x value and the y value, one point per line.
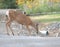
28	29
8	25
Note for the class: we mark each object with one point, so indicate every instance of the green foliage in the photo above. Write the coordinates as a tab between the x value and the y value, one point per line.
20	7
40	8
44	8
6	4
56	8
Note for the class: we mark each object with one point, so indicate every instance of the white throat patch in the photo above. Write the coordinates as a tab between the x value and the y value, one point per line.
7	12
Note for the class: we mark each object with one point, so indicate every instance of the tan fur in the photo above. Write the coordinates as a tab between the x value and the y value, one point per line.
21	19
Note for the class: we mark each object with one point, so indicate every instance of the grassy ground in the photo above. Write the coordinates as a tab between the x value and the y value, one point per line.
47	18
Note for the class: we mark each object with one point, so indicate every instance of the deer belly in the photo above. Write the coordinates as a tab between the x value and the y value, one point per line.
18	20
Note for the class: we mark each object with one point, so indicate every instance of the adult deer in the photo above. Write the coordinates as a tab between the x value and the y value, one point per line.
20	18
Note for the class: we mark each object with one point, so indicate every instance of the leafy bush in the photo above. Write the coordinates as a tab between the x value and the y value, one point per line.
43	8
8	4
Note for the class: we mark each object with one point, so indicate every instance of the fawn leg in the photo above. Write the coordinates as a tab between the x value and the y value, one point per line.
28	29
8	25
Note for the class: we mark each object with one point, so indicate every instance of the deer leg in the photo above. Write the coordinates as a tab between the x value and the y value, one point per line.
7	28
11	31
28	29
8	25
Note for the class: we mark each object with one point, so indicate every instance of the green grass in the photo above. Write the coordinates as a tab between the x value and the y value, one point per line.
47	18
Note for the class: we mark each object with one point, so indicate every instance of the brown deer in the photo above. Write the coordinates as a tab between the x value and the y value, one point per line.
20	18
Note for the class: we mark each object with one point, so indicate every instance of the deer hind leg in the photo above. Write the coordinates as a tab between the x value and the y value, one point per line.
8	25
27	26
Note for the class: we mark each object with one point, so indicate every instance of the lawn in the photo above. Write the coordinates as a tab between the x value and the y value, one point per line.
46	18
